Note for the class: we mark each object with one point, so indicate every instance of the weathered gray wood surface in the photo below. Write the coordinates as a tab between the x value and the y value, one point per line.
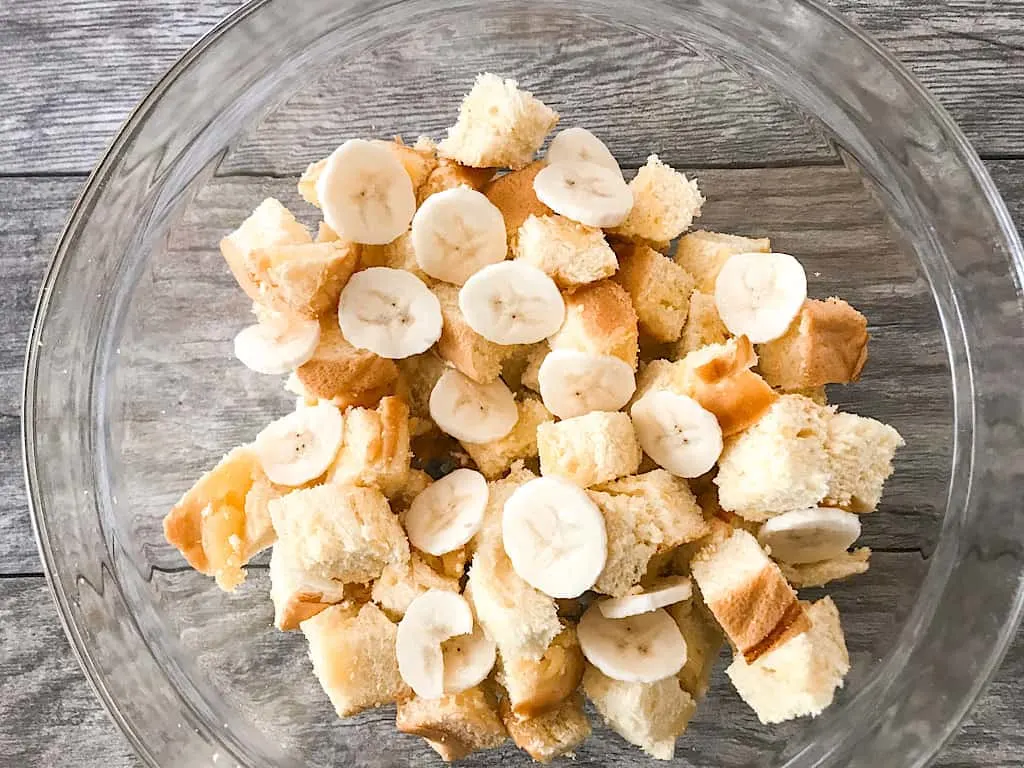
71	71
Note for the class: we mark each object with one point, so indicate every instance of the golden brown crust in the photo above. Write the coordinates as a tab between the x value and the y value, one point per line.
513	195
552	734
338	371
448	174
793	622
724	385
600	319
460	345
536	686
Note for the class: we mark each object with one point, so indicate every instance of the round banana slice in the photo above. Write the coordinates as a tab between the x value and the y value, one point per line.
637	649
468	660
512	303
575	383
677	432
585	192
578	145
472	412
448	513
430	620
277	347
365	194
664	592
299	447
809	535
389	312
456	233
555	536
759	294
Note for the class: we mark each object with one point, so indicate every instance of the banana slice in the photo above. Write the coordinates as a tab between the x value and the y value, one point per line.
300	446
512	303
809	535
277	347
575	145
585	192
468	660
555	536
430	620
759	294
475	413
389	312
677	432
663	593
456	233
638	649
575	383
448	513
365	194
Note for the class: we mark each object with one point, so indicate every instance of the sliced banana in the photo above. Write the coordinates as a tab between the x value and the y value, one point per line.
809	535
277	346
365	194
299	447
637	649
555	536
512	303
389	312
472	412
468	660
585	192
759	294
456	233
575	145
448	513
677	432
430	620
663	593
575	383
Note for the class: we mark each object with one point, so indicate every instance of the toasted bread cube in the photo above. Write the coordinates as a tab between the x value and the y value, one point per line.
665	203
827	343
398	254
778	464
449	175
463	347
401	583
704	641
343	374
375	447
650	715
454	725
418	161
299	593
821	573
860	452
600	319
513	195
570	253
550	734
495	458
746	592
259	529
530	378
304	279
658	287
703	325
270	225
800	676
340	532
589	449
659	374
670	503
499	125
353	654
703	254
536	686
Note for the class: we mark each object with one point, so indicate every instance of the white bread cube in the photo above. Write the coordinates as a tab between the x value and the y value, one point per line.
353	654
530	378
590	449
550	734
703	254
658	287
570	253
495	458
259	528
499	125
375	448
304	279
464	348
670	503
401	583
860	452
269	225
513	195
665	203
798	677
536	686
703	325
826	571
343	374
704	641
298	592
454	725
778	464
650	715
600	319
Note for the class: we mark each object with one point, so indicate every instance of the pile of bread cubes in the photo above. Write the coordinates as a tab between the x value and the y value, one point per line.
549	445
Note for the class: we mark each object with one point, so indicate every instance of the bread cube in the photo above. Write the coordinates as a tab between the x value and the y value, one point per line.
704	641
778	464
665	203
419	374
589	449
259	529
270	225
464	348
650	715
513	195
600	319
298	592
343	374
346	533
550	734
860	452
375	447
305	279
530	378
493	459
401	583
658	287
670	503
353	654
798	677
418	161
451	564
703	254
398	254
826	571
536	686
449	175
454	725
703	325
499	125
570	253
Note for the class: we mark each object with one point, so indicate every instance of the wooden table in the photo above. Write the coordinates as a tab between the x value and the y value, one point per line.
69	74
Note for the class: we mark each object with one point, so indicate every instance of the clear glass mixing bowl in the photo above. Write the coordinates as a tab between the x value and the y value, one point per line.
796	125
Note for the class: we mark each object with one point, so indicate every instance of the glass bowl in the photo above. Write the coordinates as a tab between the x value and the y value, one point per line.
796	125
